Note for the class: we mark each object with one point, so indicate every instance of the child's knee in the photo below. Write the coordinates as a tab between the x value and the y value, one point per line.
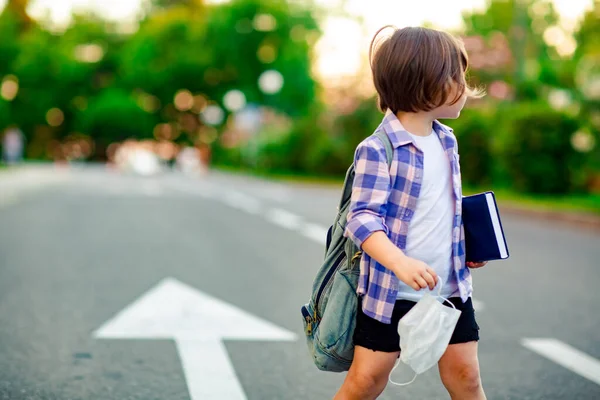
463	378
368	381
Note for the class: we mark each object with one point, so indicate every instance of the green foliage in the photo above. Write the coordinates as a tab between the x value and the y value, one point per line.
247	37
211	49
4	114
533	63
354	127
174	3
9	46
115	116
166	54
180	45
538	152
218	50
474	130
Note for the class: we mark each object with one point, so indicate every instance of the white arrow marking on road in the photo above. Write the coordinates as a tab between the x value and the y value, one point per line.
567	356
198	323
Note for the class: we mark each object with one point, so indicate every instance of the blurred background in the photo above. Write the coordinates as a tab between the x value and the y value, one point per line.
284	86
169	169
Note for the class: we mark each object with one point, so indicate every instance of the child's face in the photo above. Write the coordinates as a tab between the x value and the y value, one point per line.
450	111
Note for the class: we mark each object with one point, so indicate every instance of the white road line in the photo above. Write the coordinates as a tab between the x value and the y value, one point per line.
478	305
278	194
565	355
201	190
242	202
152	189
284	218
7	199
315	232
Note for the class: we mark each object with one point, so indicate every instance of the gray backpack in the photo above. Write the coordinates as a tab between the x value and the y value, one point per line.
330	315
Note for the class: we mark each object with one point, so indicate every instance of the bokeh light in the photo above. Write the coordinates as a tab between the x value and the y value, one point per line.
166	150
199	103
208	135
267	53
249	120
234	100
89	53
559	99
55	117
264	22
164	132
149	103
9	87
270	82
212	115
184	100
587	76
80	103
583	141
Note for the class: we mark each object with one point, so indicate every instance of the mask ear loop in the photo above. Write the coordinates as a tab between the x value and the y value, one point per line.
396	383
439	294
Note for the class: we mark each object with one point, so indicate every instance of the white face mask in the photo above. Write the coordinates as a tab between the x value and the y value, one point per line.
425	332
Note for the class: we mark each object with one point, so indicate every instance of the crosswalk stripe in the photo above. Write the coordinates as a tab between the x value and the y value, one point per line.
565	355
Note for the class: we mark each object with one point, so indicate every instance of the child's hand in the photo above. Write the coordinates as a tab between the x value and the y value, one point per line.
475	264
416	274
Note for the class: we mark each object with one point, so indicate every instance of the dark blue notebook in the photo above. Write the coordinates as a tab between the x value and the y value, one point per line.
484	236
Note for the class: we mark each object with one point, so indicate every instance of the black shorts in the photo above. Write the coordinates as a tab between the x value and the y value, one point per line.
375	335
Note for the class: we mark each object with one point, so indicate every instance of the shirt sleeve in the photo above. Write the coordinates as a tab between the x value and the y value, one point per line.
370	192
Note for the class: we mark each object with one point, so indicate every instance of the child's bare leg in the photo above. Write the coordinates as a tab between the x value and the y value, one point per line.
368	374
459	370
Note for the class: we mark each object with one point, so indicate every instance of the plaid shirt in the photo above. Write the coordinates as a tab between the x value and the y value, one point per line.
384	198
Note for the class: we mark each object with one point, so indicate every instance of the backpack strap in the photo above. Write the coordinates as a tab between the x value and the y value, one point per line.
385	139
389	152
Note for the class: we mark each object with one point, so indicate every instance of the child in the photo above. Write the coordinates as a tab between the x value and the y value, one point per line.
406	217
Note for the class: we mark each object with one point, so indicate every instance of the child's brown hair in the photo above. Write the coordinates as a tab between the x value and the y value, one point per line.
417	69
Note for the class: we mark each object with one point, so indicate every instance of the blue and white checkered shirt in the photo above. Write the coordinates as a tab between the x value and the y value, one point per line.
384	198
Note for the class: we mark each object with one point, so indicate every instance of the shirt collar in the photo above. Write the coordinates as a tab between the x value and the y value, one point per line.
399	136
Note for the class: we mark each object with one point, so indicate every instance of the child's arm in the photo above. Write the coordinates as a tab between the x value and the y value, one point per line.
366	217
413	272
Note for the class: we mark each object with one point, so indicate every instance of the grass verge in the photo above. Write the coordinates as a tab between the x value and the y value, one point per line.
578	203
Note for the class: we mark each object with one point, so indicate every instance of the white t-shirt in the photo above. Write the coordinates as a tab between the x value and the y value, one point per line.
429	236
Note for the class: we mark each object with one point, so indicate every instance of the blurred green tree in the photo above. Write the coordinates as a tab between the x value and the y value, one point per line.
249	37
587	80
225	47
537	148
172	3
113	116
9	45
58	75
18	9
507	43
165	54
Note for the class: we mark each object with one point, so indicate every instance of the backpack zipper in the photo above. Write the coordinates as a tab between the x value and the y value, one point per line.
326	281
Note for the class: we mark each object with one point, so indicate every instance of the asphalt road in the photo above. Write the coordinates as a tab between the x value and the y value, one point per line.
78	250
